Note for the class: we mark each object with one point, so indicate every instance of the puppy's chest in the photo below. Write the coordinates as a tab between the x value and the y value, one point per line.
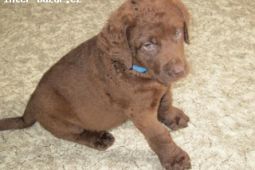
135	98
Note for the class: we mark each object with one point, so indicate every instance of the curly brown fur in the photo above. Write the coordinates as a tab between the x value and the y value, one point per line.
92	89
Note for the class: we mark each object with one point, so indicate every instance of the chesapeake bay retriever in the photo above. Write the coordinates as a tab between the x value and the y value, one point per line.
99	85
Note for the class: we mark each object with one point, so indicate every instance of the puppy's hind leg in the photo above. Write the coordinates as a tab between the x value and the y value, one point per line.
56	116
100	140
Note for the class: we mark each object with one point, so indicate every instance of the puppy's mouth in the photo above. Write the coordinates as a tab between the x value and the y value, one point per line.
167	78
176	76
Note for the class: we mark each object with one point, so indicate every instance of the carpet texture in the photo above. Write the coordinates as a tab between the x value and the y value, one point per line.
218	95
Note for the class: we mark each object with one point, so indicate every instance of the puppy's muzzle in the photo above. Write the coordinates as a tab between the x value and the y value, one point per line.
175	71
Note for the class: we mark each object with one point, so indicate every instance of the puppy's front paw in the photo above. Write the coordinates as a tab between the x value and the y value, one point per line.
176	119
103	141
179	160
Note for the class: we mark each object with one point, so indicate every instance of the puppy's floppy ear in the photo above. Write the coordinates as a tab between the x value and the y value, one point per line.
186	16
114	38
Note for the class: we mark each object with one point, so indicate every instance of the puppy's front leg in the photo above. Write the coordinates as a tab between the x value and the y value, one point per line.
171	116
171	156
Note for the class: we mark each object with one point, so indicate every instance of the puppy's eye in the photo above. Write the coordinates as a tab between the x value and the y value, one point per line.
149	46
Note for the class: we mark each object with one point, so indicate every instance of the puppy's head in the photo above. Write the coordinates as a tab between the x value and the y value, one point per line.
150	33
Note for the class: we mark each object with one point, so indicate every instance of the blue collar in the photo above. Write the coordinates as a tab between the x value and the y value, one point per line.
139	69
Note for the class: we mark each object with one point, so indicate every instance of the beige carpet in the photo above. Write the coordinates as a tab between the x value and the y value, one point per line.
219	94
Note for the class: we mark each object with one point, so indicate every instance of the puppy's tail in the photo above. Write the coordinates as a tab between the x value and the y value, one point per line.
27	120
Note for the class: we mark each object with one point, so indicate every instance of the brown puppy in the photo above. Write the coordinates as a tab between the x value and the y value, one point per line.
93	88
